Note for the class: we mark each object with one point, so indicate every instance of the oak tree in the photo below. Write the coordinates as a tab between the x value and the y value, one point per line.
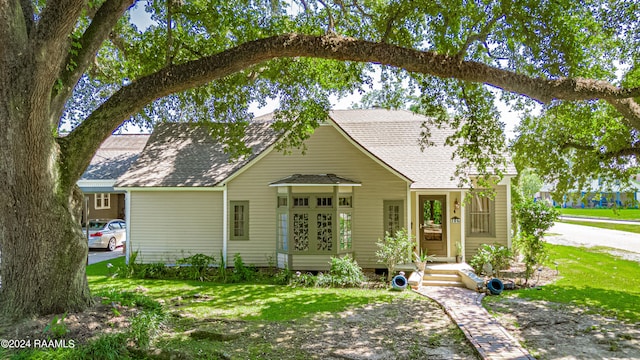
87	65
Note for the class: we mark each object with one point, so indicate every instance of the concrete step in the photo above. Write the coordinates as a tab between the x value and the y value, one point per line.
442	277
442	283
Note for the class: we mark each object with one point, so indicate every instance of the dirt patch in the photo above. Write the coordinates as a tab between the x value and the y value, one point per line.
401	329
561	331
81	327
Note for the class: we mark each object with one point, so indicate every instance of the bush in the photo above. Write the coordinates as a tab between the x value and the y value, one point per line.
497	255
345	272
394	249
535	218
241	272
533	252
197	266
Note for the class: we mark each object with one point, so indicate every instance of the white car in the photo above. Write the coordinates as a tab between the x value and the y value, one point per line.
106	234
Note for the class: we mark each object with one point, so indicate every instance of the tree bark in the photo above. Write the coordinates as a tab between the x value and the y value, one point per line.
43	251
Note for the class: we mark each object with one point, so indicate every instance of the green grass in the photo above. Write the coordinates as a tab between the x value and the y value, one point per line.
621	227
241	301
619	214
591	278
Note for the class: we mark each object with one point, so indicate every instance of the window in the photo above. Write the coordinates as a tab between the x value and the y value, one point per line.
324	201
283	201
239	220
481	216
345	231
102	201
301	202
393	216
309	225
345	201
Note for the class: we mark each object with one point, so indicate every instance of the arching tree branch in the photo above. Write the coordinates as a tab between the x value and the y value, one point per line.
79	146
89	44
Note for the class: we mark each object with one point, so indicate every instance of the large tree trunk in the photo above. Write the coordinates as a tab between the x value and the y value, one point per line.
43	250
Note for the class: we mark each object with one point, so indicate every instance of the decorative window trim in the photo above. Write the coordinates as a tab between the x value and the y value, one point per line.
102	201
244	235
472	215
385	222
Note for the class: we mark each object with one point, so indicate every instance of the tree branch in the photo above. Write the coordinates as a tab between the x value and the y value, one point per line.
50	39
77	63
481	36
607	155
79	146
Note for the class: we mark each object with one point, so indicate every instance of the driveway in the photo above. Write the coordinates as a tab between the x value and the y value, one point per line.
96	256
587	236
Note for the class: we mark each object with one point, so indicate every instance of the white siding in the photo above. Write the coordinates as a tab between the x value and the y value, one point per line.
166	225
328	152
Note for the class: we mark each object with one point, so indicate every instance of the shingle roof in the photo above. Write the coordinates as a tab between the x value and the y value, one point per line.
393	138
180	154
115	156
320	179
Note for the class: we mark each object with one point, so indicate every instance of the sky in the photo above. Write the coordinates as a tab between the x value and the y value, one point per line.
511	119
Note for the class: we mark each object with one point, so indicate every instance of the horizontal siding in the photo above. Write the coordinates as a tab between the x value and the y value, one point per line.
311	262
327	152
473	243
166	226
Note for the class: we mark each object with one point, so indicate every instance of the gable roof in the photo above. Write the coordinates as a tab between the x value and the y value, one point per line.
183	155
115	156
392	136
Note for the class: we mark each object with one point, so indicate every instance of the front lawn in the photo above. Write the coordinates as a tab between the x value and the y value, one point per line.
619	214
590	278
603	225
205	320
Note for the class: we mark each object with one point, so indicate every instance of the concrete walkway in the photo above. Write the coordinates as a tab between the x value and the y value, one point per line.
490	339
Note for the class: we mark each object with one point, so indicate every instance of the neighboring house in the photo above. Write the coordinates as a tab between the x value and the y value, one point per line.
593	198
111	160
362	173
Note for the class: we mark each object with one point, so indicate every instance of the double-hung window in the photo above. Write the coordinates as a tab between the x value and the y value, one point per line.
239	220
481	216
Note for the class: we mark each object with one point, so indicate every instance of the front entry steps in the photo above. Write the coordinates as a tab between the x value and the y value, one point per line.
451	275
441	278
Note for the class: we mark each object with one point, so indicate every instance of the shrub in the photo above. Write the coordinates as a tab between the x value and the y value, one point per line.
241	272
497	255
394	249
198	265
345	272
535	218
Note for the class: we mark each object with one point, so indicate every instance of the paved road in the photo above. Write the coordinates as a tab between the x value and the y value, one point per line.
578	235
101	255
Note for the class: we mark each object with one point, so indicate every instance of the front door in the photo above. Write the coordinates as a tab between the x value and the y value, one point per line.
433	225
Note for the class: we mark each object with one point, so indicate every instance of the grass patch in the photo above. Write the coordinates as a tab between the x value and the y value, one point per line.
611	226
240	301
590	278
619	214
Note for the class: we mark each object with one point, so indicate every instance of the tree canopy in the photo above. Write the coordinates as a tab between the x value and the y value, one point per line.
86	64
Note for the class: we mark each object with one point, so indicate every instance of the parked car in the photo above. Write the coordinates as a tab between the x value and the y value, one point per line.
106	234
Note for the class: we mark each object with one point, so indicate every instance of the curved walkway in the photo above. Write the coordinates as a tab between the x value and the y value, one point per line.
490	339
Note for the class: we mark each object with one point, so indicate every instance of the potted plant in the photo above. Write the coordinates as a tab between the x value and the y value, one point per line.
458	252
422	259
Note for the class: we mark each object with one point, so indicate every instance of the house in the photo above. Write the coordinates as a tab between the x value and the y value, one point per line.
594	195
112	159
362	173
